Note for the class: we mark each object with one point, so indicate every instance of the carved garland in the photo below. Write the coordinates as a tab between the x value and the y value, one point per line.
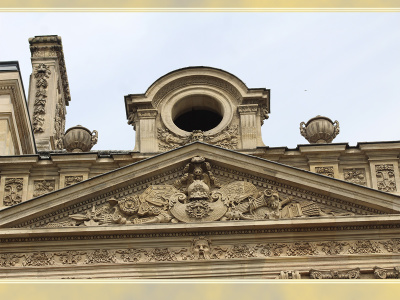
228	138
41	74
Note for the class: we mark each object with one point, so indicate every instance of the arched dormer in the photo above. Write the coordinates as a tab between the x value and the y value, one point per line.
197	103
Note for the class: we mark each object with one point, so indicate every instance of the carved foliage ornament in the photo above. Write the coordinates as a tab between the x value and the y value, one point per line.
381	273
356	176
70	180
41	73
43	187
228	138
13	191
335	274
327	171
385	178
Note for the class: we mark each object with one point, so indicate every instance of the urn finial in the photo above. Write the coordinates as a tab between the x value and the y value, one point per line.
80	139
319	130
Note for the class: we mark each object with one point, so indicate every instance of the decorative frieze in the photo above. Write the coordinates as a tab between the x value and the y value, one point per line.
38	259
365	246
335	274
356	176
200	248
42	187
301	249
385	178
327	171
70	180
332	247
13	191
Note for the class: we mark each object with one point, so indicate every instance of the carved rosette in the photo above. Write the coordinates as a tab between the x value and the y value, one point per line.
386	178
41	74
80	139
320	130
13	191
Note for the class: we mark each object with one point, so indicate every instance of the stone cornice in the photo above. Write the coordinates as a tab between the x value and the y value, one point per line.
387	226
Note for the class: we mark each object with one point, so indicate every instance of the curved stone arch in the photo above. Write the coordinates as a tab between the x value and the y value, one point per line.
204	76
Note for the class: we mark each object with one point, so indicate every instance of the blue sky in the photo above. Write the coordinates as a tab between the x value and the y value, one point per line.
345	66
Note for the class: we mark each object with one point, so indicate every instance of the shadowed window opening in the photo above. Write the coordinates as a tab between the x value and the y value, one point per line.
198	119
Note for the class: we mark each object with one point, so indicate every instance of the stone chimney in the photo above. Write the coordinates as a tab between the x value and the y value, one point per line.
48	92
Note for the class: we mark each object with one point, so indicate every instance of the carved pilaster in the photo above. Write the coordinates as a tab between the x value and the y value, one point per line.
146	130
49	92
248	125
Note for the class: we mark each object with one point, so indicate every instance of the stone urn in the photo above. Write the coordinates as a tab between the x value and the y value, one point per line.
319	130
79	139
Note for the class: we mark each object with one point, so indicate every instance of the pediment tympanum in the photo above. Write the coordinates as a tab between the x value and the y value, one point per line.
194	184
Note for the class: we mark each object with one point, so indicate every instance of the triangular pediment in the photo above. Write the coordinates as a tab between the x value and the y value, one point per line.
199	183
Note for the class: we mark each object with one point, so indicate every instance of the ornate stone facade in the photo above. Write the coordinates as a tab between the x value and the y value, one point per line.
192	200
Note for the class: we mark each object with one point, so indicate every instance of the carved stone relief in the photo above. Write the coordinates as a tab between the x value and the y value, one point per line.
59	124
382	273
335	274
13	191
42	187
228	138
196	196
198	249
386	178
70	180
41	73
356	176
327	171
